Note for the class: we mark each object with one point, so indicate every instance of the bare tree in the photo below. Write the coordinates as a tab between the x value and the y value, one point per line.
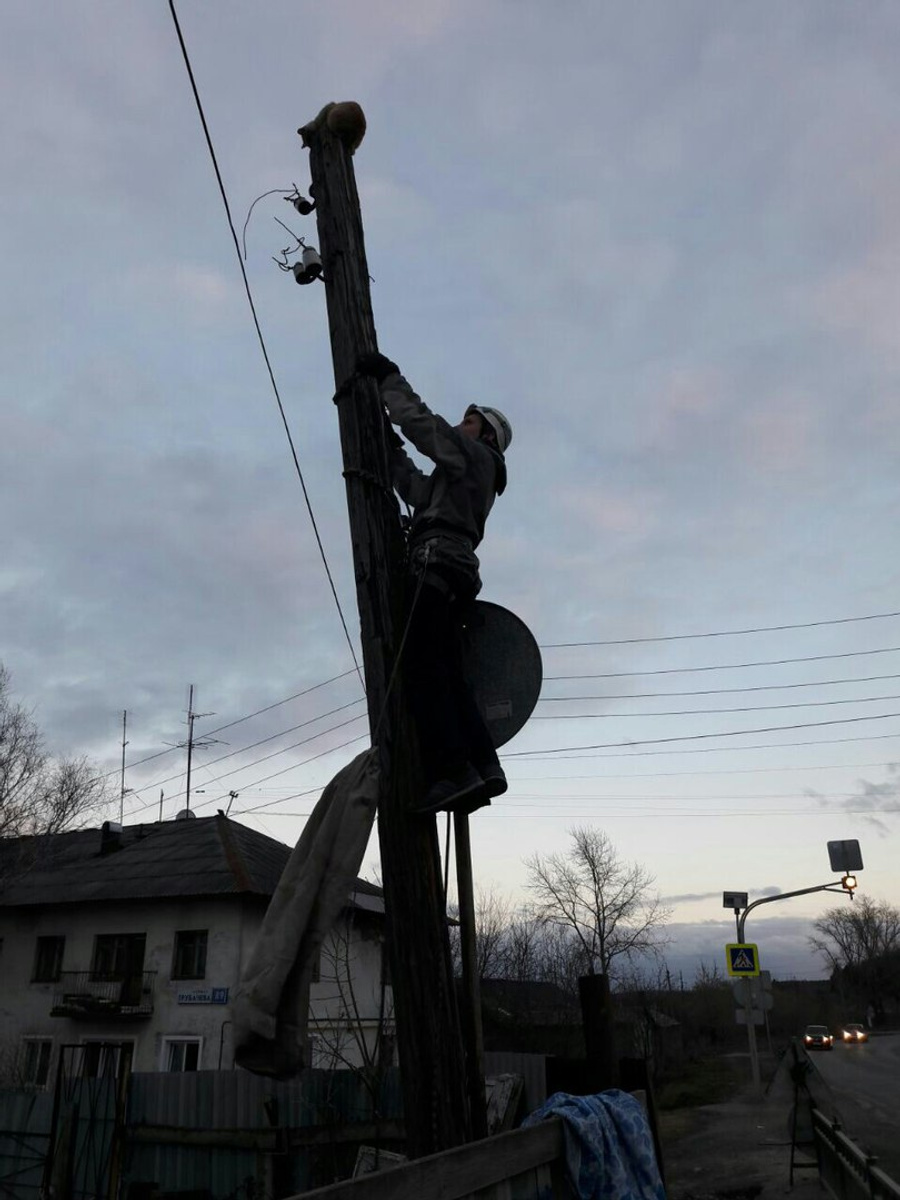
493	914
354	1021
857	935
39	794
709	976
607	904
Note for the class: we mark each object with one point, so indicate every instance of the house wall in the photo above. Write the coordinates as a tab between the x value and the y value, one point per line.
351	1015
351	971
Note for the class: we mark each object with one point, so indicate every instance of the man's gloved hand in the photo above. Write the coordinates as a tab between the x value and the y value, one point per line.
377	365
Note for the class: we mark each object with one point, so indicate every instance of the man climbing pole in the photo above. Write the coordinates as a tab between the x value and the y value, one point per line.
450	507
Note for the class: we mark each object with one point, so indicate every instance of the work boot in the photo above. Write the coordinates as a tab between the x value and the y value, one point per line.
494	779
460	787
494	785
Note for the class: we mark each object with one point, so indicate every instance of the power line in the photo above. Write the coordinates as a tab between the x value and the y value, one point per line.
265	758
695	772
763	687
773	662
259	334
268	708
680	637
262	741
503	810
287	700
293	767
691	737
690	712
551	754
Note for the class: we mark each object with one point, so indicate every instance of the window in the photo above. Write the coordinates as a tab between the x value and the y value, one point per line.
36	1061
118	955
103	1059
319	1056
181	1054
189	960
48	959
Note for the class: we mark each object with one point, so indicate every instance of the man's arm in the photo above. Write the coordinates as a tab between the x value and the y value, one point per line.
412	485
428	432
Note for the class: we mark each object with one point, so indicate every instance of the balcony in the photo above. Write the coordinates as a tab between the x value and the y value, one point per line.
89	996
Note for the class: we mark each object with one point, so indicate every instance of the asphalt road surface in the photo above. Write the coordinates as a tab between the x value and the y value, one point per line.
863	1091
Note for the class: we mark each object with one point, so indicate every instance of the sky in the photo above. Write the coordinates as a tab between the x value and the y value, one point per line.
663	238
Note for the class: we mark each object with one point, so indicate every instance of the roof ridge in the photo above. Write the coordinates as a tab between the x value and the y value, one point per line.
234	859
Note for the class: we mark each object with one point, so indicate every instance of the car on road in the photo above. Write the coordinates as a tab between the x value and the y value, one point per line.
854	1034
818	1037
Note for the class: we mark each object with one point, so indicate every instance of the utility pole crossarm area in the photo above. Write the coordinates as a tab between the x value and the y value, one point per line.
436	1103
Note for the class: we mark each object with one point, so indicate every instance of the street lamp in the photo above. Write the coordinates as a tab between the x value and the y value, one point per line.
845	857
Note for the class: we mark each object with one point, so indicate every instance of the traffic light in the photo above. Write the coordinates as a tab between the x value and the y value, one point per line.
848	883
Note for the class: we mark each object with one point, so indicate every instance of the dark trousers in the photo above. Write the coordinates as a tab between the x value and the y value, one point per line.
450	727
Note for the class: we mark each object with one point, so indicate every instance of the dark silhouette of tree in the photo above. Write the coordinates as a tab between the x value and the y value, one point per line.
858	933
606	904
38	793
861	944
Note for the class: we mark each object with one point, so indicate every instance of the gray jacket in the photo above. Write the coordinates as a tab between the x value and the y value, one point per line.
450	506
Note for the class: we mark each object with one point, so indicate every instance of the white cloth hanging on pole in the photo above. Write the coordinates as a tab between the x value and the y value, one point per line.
271	1004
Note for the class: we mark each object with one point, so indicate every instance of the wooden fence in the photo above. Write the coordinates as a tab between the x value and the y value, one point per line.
525	1164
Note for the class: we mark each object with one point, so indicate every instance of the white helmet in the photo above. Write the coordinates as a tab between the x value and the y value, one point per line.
495	418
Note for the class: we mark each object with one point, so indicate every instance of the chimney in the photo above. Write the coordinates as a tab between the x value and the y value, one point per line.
110	837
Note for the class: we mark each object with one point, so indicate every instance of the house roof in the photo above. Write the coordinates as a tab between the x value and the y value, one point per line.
203	856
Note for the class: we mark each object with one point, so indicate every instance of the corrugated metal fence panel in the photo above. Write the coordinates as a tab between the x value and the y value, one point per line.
532	1068
84	1137
24	1137
205	1100
229	1100
234	1099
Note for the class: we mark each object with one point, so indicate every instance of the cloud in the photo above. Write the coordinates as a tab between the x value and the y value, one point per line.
867	800
691	897
863	299
783	947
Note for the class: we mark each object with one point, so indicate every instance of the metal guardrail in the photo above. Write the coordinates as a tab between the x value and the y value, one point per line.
846	1170
88	995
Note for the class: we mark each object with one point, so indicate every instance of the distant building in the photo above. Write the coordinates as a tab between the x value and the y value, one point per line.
139	935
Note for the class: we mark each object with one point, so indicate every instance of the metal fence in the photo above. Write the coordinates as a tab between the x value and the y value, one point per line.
24	1138
232	1134
846	1170
223	1134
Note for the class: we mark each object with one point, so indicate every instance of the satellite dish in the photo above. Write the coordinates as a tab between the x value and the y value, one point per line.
503	666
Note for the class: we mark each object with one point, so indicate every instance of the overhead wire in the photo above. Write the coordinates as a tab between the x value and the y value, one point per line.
262	741
626	746
680	637
264	758
772	662
762	687
552	755
690	712
691	737
261	339
544	700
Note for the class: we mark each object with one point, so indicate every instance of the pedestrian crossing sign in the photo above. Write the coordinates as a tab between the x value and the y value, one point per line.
743	959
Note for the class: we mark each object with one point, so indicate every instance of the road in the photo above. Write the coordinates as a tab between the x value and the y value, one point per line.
863	1091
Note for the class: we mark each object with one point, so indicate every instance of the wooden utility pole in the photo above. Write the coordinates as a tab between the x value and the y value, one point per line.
471	1003
436	1107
